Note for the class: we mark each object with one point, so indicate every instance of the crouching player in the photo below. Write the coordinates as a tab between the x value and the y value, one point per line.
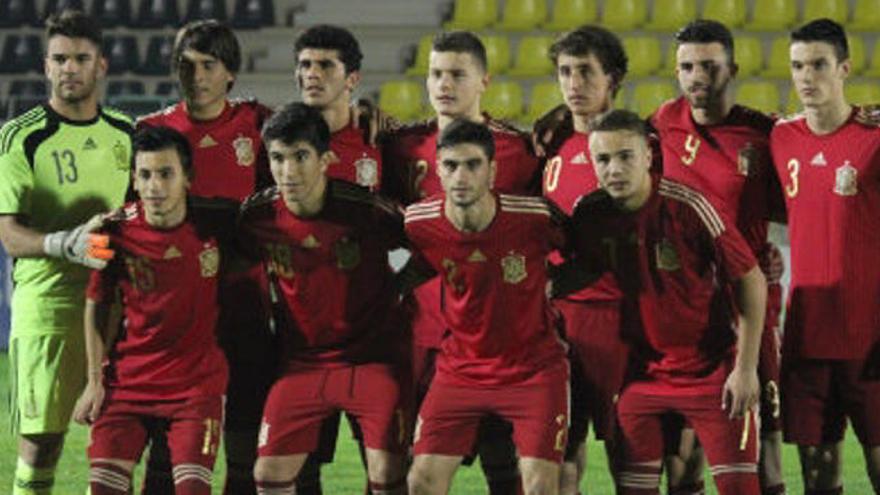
163	370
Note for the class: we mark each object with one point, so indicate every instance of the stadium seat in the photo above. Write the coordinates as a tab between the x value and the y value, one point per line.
205	9
503	100
122	54
167	89
874	67
401	99
793	103
522	15
570	14
648	96
773	15
671	15
155	14
644	55
759	95
112	13
671	59
531	57
856	53
21	54
17	13
253	14
53	6
17	105
624	15
836	10
749	55
497	53
544	96
731	13
473	14
779	63
157	62
621	97
860	93
125	88
866	16
28	87
423	54
135	105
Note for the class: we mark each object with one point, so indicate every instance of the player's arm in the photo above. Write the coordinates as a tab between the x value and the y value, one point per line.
742	391
551	130
99	333
414	273
78	245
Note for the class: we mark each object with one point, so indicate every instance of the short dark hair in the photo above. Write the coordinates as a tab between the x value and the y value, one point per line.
602	43
826	31
461	42
707	31
620	120
297	122
463	131
74	23
327	37
158	138
211	37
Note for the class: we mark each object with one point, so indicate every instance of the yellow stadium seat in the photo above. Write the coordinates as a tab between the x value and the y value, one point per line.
497	53
423	54
531	57
772	15
671	15
836	10
862	93
793	104
624	15
671	61
874	67
570	14
503	100
749	55
543	97
644	55
731	13
523	15
778	65
648	96
866	16
620	98
473	14
759	95
856	53
401	99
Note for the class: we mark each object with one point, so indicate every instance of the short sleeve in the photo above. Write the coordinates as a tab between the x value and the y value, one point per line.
16	179
102	283
732	252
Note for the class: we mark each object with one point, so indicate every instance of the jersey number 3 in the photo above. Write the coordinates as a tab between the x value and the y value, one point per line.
65	166
794	168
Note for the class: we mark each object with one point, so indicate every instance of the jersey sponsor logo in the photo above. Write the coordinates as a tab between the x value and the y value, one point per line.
367	171
244	151
209	261
171	253
120	155
89	144
746	159
667	256
207	142
348	253
580	159
263	437
513	268
846	180
477	256
819	160
310	242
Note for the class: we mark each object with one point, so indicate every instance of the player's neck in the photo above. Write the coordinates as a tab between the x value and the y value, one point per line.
82	110
827	118
207	112
311	205
637	200
715	113
475	217
473	115
582	121
337	114
167	221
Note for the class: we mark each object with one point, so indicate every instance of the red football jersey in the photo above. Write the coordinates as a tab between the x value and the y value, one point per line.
359	163
166	348
672	260
729	162
501	327
332	271
229	159
832	194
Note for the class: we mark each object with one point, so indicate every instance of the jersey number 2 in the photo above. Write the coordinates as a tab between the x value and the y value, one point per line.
65	166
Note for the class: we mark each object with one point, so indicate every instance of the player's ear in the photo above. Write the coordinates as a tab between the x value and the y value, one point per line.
327	158
493	168
352	80
846	68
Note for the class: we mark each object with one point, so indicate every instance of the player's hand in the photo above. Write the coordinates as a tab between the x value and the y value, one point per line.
88	407
80	244
552	127
371	120
741	392
772	263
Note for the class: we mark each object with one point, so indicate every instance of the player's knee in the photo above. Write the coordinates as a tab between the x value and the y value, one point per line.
41	450
568	479
277	468
820	466
385	467
541	483
421	481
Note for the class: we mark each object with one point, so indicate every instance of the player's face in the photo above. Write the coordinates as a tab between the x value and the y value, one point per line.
704	72
73	67
465	173
321	77
455	83
622	160
586	87
817	74
161	183
298	170
204	78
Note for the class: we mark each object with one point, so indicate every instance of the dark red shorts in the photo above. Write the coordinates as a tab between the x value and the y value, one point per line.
768	364
300	401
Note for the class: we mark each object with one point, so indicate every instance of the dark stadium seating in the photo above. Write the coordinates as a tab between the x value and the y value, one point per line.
122	54
28	87
112	13
253	14
205	9
125	88
53	6
21	54
17	13
157	61
154	14
167	89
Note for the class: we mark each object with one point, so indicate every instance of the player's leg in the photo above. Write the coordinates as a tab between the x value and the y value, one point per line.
684	460
498	457
158	479
861	398
770	463
575	459
308	481
431	474
540	476
116	441
194	431
575	462
640	443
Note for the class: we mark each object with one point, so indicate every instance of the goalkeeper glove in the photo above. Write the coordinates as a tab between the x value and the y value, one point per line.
79	245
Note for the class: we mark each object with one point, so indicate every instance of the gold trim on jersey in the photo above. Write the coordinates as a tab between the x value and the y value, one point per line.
423	211
524	204
707	213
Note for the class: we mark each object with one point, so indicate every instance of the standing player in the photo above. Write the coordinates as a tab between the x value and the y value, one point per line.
590	67
164	371
674	257
490	252
722	150
229	162
60	164
326	243
828	160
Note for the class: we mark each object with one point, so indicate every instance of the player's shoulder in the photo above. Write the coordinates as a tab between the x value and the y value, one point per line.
868	116
530	209
668	111
422	128
260	200
505	129
249	104
15	130
359	197
116	117
790	120
593	203
159	116
754	118
690	200
424	211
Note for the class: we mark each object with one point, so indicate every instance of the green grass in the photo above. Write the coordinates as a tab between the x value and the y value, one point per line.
345	475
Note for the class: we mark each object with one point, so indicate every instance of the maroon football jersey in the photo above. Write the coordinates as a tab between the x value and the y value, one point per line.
672	260
832	194
359	163
166	348
501	327
332	271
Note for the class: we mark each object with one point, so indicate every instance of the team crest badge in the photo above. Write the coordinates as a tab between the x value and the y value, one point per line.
667	256
348	253
120	156
244	151
746	159
209	261
513	266
846	180
367	171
